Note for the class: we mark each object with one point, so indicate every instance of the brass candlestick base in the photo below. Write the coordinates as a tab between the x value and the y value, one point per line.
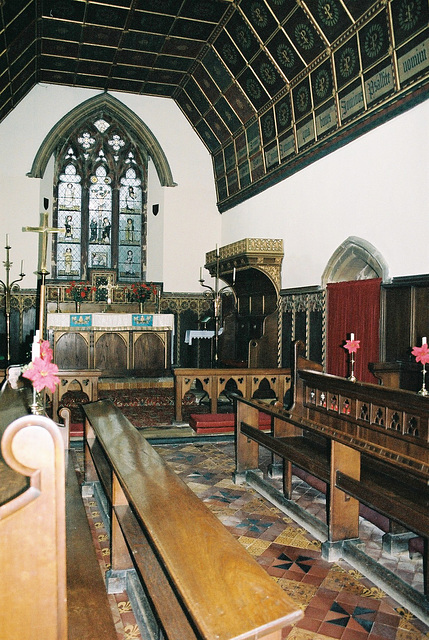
352	376
423	391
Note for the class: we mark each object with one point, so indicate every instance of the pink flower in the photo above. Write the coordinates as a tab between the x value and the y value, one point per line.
46	352
352	345
42	373
421	353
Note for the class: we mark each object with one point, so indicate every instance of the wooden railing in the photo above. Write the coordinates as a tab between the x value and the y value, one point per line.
369	443
245	382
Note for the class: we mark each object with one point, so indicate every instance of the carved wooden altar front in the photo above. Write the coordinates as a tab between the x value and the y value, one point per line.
115	344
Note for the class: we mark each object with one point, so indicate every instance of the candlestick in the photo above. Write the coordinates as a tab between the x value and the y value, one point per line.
423	391
215	293
8	288
35	348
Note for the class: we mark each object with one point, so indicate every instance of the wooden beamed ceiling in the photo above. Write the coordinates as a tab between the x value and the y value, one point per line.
229	64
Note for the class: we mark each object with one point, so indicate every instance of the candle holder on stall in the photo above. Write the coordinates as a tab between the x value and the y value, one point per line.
423	391
422	355
8	288
352	376
352	346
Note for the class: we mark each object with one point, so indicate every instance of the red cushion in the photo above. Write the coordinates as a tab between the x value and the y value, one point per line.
221	422
76	430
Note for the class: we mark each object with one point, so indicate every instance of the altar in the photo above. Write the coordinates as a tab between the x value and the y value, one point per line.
116	344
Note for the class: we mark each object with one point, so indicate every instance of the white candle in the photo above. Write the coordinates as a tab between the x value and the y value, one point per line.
22	266
233	276
424	340
352	336
7	239
35	347
201	273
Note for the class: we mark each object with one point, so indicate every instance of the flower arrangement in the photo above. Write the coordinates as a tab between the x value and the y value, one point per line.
42	371
79	291
140	291
421	353
352	345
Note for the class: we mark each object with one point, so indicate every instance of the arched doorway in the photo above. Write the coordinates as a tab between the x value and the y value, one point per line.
353	279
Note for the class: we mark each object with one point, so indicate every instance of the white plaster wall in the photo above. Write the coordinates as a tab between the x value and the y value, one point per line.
188	224
375	188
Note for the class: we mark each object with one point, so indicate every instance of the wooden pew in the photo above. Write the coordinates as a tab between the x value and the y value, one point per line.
214	382
51	586
219	592
370	444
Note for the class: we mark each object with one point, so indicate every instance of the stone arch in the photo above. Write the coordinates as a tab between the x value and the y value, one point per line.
355	259
101	105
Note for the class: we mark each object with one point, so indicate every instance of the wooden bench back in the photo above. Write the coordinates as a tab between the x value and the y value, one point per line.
221	588
32	533
389	424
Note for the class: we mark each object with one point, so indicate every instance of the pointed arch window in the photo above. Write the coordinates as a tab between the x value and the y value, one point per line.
100	191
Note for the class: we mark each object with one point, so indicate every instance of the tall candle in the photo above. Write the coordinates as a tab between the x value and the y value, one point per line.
233	276
424	340
35	347
201	273
22	266
352	336
7	239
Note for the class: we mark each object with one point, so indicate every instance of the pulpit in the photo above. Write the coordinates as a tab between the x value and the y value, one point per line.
116	344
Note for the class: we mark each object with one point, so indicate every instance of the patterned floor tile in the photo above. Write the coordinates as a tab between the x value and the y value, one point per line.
338	602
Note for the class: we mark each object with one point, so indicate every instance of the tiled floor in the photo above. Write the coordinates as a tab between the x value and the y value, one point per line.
338	601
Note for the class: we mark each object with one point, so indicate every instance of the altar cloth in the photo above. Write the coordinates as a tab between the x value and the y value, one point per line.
114	321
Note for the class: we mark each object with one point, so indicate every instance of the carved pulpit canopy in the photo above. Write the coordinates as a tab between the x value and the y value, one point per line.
264	254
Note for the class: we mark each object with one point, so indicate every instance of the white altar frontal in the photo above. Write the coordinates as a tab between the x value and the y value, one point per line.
117	344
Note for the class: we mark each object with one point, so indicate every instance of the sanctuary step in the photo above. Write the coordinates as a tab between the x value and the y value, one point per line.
221	422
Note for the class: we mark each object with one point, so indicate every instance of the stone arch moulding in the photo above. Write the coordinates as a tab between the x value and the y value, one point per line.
355	259
101	105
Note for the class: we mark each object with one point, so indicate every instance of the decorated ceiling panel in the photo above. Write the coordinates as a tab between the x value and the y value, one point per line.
268	85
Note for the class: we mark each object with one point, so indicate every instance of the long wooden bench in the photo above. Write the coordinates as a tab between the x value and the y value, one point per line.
51	585
201	583
370	444
214	382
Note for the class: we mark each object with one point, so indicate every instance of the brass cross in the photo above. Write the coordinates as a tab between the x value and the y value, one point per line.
44	230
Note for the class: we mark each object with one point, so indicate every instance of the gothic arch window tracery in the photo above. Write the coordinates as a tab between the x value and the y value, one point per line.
100	194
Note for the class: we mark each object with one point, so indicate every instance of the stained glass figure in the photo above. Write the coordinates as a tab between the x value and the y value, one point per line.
101	203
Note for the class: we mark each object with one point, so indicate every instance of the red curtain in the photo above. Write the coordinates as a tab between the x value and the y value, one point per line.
353	307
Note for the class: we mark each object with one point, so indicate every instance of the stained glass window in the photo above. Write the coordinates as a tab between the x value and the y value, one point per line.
69	219
101	204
